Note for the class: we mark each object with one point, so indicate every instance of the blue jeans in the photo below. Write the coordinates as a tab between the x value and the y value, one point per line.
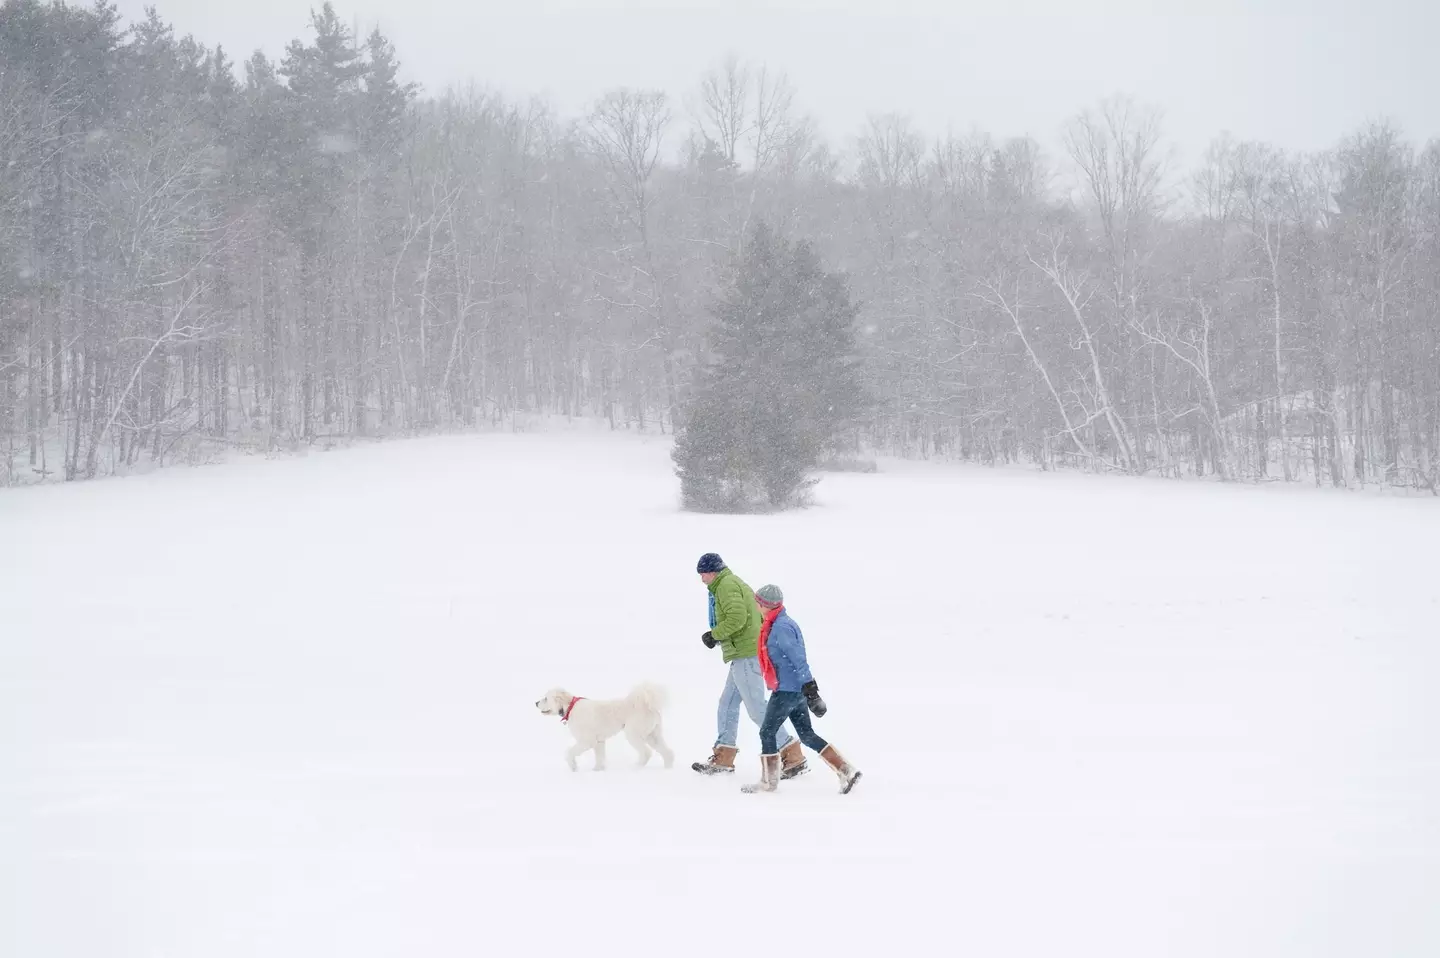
744	684
782	706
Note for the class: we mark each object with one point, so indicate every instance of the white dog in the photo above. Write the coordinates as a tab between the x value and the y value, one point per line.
592	721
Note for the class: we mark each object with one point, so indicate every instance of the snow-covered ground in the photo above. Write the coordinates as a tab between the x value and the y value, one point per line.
284	708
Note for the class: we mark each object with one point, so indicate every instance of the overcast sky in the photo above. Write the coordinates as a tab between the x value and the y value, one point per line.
1298	73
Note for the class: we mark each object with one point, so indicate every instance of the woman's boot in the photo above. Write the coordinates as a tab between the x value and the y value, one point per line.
847	773
769	776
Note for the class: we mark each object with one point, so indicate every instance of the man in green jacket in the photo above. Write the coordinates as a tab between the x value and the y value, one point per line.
735	629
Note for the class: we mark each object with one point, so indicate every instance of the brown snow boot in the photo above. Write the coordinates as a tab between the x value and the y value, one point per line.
792	760
769	776
847	773
721	760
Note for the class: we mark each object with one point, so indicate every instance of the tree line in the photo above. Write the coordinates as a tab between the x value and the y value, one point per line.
194	254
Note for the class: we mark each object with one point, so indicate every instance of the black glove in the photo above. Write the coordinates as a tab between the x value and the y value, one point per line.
709	639
812	698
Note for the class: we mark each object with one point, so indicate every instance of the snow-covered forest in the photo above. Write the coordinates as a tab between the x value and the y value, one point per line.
197	252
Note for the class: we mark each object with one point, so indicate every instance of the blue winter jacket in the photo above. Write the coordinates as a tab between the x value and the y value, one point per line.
786	649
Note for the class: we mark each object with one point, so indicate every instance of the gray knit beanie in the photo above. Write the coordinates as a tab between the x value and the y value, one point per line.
770	596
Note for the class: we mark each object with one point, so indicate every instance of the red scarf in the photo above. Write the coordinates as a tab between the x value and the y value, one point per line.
767	668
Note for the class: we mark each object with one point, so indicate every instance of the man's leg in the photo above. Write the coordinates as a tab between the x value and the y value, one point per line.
727	729
750	684
727	714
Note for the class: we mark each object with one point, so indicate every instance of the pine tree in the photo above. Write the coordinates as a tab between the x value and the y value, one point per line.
782	381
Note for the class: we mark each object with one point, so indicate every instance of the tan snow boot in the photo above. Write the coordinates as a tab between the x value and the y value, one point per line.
847	773
792	760
721	760
769	776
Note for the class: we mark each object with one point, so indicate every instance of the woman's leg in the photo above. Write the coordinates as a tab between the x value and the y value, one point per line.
776	711
751	686
800	718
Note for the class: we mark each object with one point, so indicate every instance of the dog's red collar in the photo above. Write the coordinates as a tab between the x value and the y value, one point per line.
565	715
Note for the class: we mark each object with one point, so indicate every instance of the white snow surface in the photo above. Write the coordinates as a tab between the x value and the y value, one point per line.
285	708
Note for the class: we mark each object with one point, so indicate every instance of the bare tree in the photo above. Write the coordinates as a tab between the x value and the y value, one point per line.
1117	151
1188	340
994	293
723	113
1262	180
748	111
625	132
1077	291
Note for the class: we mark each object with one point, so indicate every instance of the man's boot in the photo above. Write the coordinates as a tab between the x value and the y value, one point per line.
847	773
769	776
792	760
721	760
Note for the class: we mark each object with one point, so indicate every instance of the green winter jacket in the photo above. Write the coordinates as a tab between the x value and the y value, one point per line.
736	623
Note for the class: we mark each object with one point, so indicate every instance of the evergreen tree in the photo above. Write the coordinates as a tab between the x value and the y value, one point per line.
782	381
324	82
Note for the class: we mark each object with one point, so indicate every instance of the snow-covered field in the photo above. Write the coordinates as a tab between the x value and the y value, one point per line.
284	708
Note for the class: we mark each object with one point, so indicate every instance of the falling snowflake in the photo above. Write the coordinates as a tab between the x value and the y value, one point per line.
335	143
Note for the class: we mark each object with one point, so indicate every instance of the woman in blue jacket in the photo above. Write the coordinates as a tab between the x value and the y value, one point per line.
792	691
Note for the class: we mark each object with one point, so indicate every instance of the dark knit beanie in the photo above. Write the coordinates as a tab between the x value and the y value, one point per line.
709	562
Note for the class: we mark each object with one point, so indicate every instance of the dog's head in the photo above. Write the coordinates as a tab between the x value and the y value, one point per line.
554	702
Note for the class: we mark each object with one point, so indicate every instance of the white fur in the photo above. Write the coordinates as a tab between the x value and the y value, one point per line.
592	721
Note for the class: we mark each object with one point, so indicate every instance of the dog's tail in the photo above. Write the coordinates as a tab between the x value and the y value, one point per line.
649	696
